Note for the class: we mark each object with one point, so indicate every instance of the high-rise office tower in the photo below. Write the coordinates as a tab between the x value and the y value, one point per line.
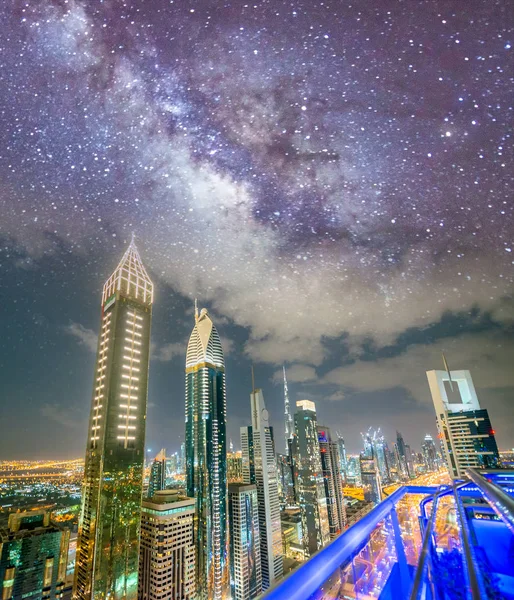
286	480
260	468
206	456
309	475
464	427
370	472
353	472
167	555
288	417
245	548
343	461
404	457
234	467
33	557
157	480
333	482
108	537
429	451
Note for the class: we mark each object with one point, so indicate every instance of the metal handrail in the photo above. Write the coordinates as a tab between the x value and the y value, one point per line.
425	549
499	500
310	576
476	583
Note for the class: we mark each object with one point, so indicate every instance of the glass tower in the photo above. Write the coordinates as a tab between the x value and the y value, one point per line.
108	536
206	456
309	474
245	553
157	480
33	556
333	482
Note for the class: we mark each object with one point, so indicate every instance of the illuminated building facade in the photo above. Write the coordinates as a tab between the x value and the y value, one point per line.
429	452
260	468
309	476
108	536
206	456
465	430
157	474
332	480
343	461
245	551
370	475
286	480
33	557
167	555
234	467
288	417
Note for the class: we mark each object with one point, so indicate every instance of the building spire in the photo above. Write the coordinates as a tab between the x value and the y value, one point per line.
130	278
196	310
447	369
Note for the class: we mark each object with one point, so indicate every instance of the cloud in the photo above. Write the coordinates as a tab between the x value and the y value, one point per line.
65	416
489	356
168	352
296	373
87	337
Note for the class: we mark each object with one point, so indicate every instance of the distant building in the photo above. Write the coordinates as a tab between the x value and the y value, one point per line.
245	548
370	472
353	472
333	482
429	452
291	520
157	474
260	468
309	475
167	553
343	461
108	533
33	557
465	430
288	417
286	480
403	458
234	467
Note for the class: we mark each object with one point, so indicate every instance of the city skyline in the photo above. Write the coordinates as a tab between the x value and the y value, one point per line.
333	185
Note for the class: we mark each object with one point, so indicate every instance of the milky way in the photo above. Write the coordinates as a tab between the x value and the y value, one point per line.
313	170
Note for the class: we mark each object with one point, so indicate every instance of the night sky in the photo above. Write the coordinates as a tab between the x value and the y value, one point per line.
332	179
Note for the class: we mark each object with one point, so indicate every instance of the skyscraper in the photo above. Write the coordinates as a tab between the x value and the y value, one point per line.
157	474
309	475
288	417
33	556
206	456
245	548
370	471
108	536
429	452
330	464
167	556
343	461
404	457
464	427
260	468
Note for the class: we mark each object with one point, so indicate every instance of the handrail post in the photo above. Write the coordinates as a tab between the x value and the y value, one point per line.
400	553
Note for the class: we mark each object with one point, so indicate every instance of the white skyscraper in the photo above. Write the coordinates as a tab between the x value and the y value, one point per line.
260	468
467	437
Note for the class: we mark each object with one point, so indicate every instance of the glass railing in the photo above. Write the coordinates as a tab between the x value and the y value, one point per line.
420	543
